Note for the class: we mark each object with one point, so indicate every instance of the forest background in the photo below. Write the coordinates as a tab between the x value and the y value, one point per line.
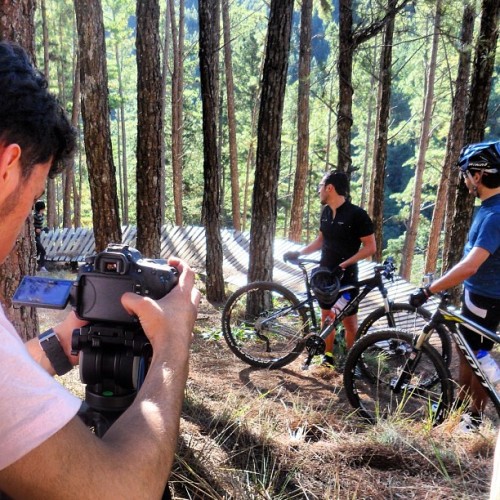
405	127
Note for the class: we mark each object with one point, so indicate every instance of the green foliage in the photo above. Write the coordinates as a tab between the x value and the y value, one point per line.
412	39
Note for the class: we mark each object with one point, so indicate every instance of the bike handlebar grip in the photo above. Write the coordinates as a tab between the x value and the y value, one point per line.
292	255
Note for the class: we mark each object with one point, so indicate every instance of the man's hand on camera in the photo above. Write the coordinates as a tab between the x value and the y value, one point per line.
291	255
64	332
419	297
168	322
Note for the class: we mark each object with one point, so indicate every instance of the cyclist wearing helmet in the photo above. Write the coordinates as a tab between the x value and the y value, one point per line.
479	269
345	237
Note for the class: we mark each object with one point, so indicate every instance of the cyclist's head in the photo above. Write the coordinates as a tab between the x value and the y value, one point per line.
325	285
338	180
483	157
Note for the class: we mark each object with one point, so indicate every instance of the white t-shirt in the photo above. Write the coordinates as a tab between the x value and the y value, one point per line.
33	406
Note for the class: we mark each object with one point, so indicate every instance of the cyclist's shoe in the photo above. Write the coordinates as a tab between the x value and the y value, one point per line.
328	361
469	422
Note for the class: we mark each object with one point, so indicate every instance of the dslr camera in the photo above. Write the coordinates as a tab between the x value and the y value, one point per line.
105	277
114	352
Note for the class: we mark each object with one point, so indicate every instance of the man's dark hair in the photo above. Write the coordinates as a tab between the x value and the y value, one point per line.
29	115
490	180
339	181
39	205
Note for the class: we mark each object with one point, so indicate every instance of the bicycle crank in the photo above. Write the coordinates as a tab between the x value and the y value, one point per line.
315	346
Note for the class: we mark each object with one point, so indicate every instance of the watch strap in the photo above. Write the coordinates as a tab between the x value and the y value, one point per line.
54	351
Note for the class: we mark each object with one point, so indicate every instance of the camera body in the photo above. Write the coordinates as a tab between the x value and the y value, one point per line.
105	277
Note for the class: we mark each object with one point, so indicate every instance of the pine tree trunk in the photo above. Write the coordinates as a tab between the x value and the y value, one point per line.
50	194
95	113
177	125
209	44
412	228
302	168
250	157
269	141
164	79
69	173
122	141
449	180
149	128
231	118
380	151
17	25
346	91
366	186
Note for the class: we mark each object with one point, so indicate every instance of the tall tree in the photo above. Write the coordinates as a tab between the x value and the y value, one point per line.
413	223
208	11
164	74
95	114
349	40
69	173
449	180
149	128
269	141
17	25
382	132
177	104
50	192
231	118
122	137
475	122
302	169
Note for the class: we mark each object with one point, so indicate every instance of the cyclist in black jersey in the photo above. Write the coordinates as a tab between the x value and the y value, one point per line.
345	237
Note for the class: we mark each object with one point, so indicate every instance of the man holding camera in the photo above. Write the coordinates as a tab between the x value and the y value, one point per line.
46	450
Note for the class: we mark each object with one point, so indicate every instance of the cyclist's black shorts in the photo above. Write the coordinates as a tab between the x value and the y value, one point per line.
484	311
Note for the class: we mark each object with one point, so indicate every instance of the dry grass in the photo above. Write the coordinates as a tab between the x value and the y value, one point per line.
288	434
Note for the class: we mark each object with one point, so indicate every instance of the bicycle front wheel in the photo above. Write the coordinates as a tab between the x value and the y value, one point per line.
264	324
405	317
385	376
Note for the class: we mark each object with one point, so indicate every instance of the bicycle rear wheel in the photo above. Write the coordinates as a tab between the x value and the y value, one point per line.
385	376
409	319
264	324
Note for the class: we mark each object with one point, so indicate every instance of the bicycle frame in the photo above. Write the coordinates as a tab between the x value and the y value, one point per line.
366	287
315	343
361	290
444	315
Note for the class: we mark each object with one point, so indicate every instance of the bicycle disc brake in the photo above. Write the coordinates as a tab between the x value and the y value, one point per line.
315	345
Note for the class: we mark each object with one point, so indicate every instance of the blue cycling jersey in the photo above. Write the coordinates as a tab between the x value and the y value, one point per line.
485	233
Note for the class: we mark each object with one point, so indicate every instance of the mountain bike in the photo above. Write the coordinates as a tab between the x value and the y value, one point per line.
393	372
267	326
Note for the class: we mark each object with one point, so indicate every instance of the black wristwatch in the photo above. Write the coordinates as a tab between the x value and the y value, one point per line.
52	348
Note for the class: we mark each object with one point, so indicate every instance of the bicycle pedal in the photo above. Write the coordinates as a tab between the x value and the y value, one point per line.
307	363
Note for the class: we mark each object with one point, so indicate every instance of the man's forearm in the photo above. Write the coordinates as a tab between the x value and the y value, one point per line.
314	246
148	430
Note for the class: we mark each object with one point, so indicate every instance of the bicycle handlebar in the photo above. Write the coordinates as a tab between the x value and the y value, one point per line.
387	268
301	260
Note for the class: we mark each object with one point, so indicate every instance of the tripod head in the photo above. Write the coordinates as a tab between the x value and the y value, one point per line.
113	363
